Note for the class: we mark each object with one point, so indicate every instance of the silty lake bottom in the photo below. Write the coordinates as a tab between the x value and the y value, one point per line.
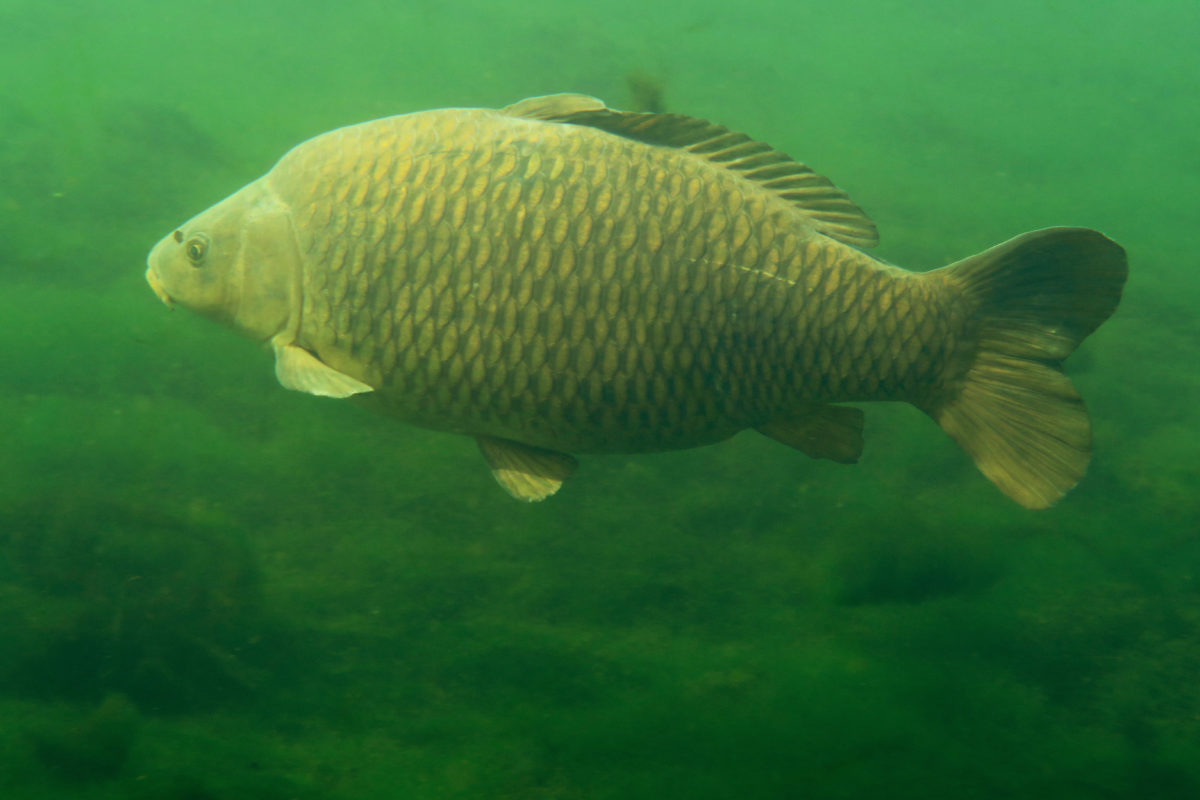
211	587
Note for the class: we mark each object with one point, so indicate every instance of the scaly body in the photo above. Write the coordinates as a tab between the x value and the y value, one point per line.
564	287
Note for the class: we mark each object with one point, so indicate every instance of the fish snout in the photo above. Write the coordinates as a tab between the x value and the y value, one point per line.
156	285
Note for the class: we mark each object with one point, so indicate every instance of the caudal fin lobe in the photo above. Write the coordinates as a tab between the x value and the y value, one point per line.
1033	299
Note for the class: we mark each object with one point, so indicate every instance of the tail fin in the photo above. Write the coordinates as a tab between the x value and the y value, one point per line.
1033	299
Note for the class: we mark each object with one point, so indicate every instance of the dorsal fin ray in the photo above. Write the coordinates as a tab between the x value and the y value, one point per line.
829	208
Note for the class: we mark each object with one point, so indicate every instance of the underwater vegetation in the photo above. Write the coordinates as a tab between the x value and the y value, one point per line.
116	615
901	559
127	600
607	664
95	748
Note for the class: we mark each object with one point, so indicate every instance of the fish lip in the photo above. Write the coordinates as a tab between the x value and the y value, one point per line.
157	286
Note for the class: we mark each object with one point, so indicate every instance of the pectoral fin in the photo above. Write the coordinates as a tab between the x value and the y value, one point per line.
300	370
821	431
527	473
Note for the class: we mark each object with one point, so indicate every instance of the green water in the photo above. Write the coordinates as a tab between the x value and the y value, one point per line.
214	588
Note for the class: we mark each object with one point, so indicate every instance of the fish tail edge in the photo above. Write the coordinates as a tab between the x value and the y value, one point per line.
1030	301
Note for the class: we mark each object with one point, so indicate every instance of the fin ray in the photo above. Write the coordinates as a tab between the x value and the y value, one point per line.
826	206
527	473
301	371
1011	408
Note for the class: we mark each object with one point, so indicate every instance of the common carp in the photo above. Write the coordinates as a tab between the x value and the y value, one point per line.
558	277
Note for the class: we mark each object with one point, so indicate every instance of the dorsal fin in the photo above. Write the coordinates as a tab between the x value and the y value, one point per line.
830	209
554	106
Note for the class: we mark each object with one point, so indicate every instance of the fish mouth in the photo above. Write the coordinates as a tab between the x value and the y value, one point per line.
157	286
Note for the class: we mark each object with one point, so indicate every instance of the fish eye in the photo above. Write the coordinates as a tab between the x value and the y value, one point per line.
196	249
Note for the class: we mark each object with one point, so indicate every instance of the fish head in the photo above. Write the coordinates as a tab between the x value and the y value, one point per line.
236	263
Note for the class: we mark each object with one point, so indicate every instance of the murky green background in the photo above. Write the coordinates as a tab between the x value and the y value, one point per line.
214	588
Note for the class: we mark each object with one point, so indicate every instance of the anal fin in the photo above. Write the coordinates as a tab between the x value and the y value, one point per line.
527	473
821	431
301	371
